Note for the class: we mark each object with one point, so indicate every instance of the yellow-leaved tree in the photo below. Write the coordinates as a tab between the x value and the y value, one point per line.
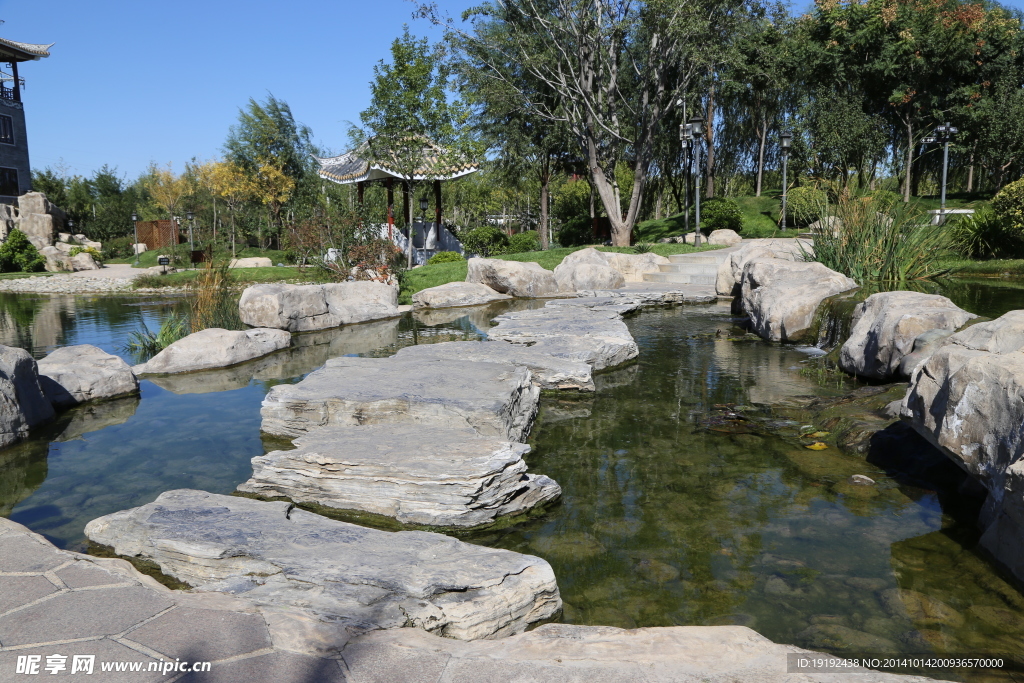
231	183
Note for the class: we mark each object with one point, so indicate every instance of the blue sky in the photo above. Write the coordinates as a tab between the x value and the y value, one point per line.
135	81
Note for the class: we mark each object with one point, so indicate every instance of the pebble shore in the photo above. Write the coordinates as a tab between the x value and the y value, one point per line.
66	284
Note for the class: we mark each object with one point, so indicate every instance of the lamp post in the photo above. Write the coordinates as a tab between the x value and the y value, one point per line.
686	141
785	142
191	245
696	126
135	247
944	134
423	213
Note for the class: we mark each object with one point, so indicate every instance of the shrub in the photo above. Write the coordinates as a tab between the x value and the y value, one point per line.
643	248
720	213
523	241
576	232
117	247
92	251
17	253
986	235
804	205
446	257
886	200
1008	205
485	241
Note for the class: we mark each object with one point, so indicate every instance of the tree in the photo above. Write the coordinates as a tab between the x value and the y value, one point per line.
231	183
616	70
413	120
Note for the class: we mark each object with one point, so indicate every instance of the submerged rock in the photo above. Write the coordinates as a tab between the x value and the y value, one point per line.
75	374
546	370
215	348
299	308
782	296
456	294
593	336
346	575
22	403
516	278
886	325
418	474
494	398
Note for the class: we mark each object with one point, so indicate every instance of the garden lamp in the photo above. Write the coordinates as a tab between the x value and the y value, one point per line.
785	143
135	223
696	127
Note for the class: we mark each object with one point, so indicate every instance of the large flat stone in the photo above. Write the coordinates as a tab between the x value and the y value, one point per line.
75	374
215	348
547	371
203	635
493	398
594	336
418	474
457	294
354	578
516	278
300	308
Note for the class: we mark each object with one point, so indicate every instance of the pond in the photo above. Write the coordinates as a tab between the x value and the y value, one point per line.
665	519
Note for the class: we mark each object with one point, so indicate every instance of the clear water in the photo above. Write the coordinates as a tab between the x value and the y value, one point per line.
670	514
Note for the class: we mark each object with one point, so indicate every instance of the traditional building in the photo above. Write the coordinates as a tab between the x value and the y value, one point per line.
15	172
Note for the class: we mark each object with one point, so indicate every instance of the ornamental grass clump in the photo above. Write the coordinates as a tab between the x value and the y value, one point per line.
872	242
212	300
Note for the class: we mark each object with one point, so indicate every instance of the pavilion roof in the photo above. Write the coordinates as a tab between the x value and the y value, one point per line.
23	52
355	167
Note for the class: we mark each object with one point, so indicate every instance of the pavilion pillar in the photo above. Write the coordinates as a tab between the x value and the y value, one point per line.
359	192
391	208
17	81
405	212
437	207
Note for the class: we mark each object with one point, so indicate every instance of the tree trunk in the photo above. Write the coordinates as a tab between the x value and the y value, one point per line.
709	135
970	169
760	157
910	160
545	179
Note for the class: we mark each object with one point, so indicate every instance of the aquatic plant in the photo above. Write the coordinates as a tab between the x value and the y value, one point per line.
212	301
145	343
871	242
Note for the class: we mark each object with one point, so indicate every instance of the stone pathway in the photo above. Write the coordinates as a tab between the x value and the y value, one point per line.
115	277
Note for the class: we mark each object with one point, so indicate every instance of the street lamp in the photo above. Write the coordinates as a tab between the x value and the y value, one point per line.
686	141
943	134
785	142
135	223
696	127
191	245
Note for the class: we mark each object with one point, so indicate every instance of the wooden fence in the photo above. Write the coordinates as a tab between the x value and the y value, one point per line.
158	234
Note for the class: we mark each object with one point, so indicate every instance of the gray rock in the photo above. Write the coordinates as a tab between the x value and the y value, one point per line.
418	474
495	399
573	277
39	228
925	344
782	296
616	304
84	261
343	574
75	374
547	371
593	336
968	400
251	262
885	326
730	273
631	266
299	308
725	238
57	261
22	403
456	294
215	348
512	277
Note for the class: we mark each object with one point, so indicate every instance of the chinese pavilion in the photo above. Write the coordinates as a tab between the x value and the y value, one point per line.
15	172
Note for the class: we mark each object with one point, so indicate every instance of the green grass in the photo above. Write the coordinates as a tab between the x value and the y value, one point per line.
18	276
429	276
760	219
993	267
244	276
147	259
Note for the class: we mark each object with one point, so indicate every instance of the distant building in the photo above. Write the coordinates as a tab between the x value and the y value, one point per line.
15	172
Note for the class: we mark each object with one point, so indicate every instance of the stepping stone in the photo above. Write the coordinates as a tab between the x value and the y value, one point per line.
351	577
417	474
596	337
548	372
493	398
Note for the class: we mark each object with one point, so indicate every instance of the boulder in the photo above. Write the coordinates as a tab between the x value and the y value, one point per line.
546	371
90	244
417	474
75	374
355	578
493	398
885	326
725	238
730	272
632	266
831	223
587	276
84	261
925	344
64	247
22	403
512	277
57	261
215	348
593	336
39	228
64	237
782	296
967	399
139	248
456	294
8	220
251	262
299	308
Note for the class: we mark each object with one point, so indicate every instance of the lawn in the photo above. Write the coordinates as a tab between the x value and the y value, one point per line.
241	276
428	276
991	267
18	276
147	259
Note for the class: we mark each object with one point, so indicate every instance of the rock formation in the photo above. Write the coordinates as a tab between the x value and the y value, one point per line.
299	308
215	348
456	294
74	374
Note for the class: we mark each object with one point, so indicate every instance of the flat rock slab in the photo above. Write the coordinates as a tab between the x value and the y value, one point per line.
75	374
457	294
494	398
555	653
547	371
107	609
215	348
418	474
620	305
592	336
345	575
301	308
